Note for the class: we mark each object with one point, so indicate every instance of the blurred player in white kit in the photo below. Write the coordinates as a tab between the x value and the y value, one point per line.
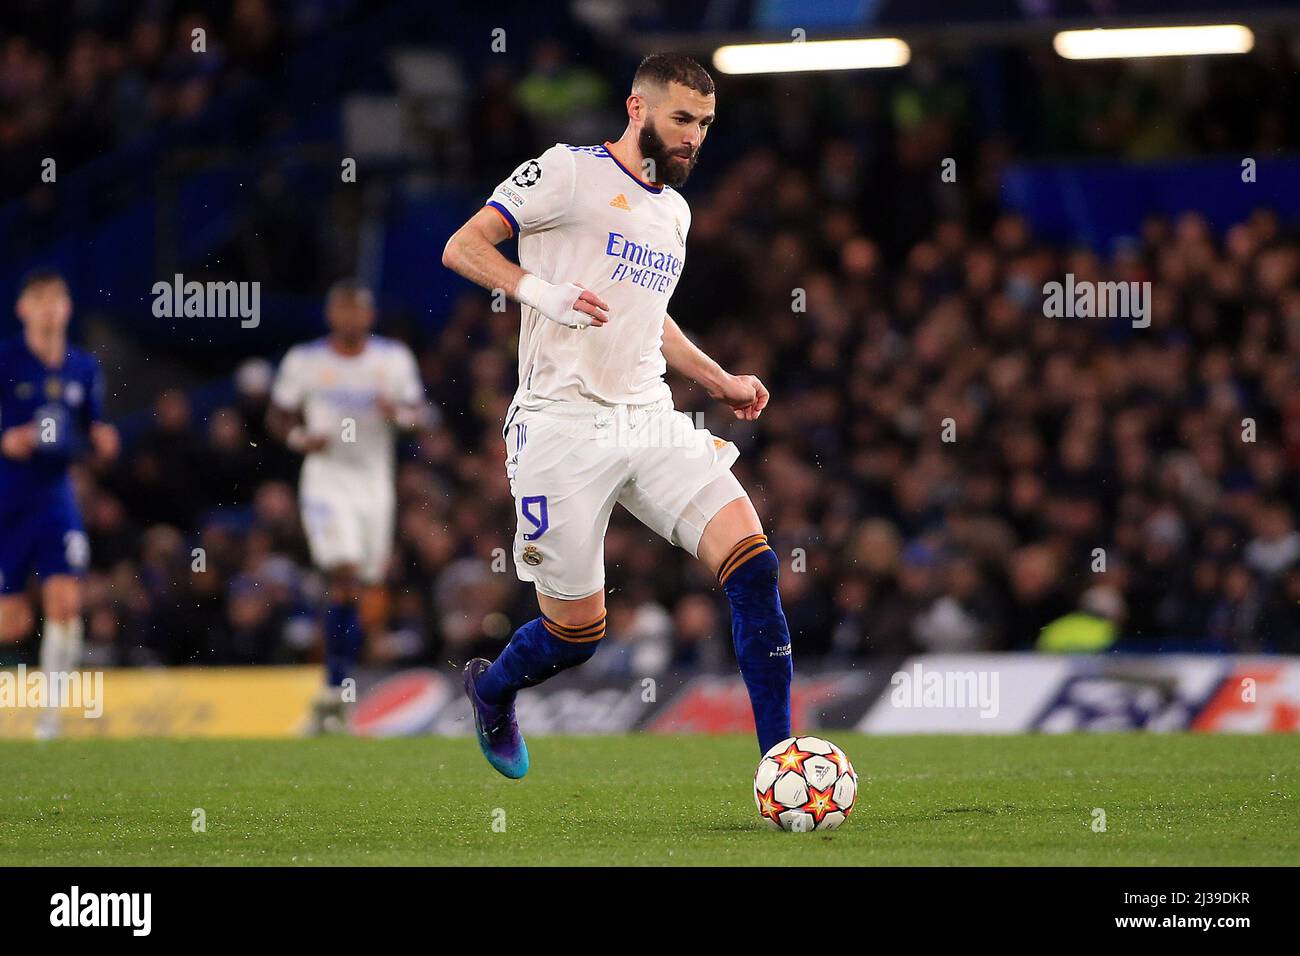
340	402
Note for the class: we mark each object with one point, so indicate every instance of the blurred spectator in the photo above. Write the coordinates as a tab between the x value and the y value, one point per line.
561	97
1090	629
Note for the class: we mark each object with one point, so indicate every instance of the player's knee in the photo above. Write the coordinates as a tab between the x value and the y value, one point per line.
712	520
61	600
573	613
63	614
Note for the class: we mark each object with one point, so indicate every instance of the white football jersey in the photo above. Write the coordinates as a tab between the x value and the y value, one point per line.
338	395
582	217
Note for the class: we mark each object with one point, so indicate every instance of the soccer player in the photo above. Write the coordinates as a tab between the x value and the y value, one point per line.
602	242
51	405
340	401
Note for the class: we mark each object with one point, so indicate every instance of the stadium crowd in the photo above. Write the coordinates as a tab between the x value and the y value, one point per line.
938	467
942	466
79	85
106	72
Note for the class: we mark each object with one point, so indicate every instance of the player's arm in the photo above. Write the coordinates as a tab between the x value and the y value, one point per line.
287	426
406	407
472	252
17	442
746	395
284	418
535	198
407	416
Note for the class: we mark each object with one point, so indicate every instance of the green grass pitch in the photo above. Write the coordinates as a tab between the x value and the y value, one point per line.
1168	800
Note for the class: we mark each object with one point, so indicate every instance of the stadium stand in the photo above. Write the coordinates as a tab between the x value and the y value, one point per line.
923	303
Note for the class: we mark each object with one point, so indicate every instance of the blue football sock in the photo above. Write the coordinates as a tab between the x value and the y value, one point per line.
343	640
539	650
760	635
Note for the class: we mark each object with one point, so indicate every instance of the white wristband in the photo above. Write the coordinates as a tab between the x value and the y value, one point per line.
553	300
410	417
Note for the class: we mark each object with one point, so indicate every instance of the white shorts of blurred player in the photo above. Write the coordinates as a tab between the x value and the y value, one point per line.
568	464
348	526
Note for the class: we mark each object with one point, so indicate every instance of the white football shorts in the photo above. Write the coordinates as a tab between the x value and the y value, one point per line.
348	526
568	463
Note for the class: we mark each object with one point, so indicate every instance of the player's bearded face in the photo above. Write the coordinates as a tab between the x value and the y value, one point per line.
672	165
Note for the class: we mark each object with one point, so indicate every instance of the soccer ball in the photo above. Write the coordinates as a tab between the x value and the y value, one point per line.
805	783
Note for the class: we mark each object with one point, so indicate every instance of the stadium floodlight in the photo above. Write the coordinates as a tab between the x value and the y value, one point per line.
812	55
1134	42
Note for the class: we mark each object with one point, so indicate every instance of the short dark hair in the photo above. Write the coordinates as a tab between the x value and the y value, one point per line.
665	68
40	277
350	286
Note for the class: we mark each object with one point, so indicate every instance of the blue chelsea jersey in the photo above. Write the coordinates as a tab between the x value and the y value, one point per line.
62	401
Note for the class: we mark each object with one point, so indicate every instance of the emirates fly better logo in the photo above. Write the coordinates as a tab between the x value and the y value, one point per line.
641	264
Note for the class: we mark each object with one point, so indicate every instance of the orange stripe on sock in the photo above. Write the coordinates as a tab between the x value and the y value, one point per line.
741	550
575	627
577	633
743	559
595	635
740	546
736	553
561	632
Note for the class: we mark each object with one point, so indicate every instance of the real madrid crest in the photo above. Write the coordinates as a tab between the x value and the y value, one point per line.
532	556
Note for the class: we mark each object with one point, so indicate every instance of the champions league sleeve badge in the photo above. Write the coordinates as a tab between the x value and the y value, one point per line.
529	174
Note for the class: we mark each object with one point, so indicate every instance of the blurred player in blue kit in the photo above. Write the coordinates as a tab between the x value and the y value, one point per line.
51	411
